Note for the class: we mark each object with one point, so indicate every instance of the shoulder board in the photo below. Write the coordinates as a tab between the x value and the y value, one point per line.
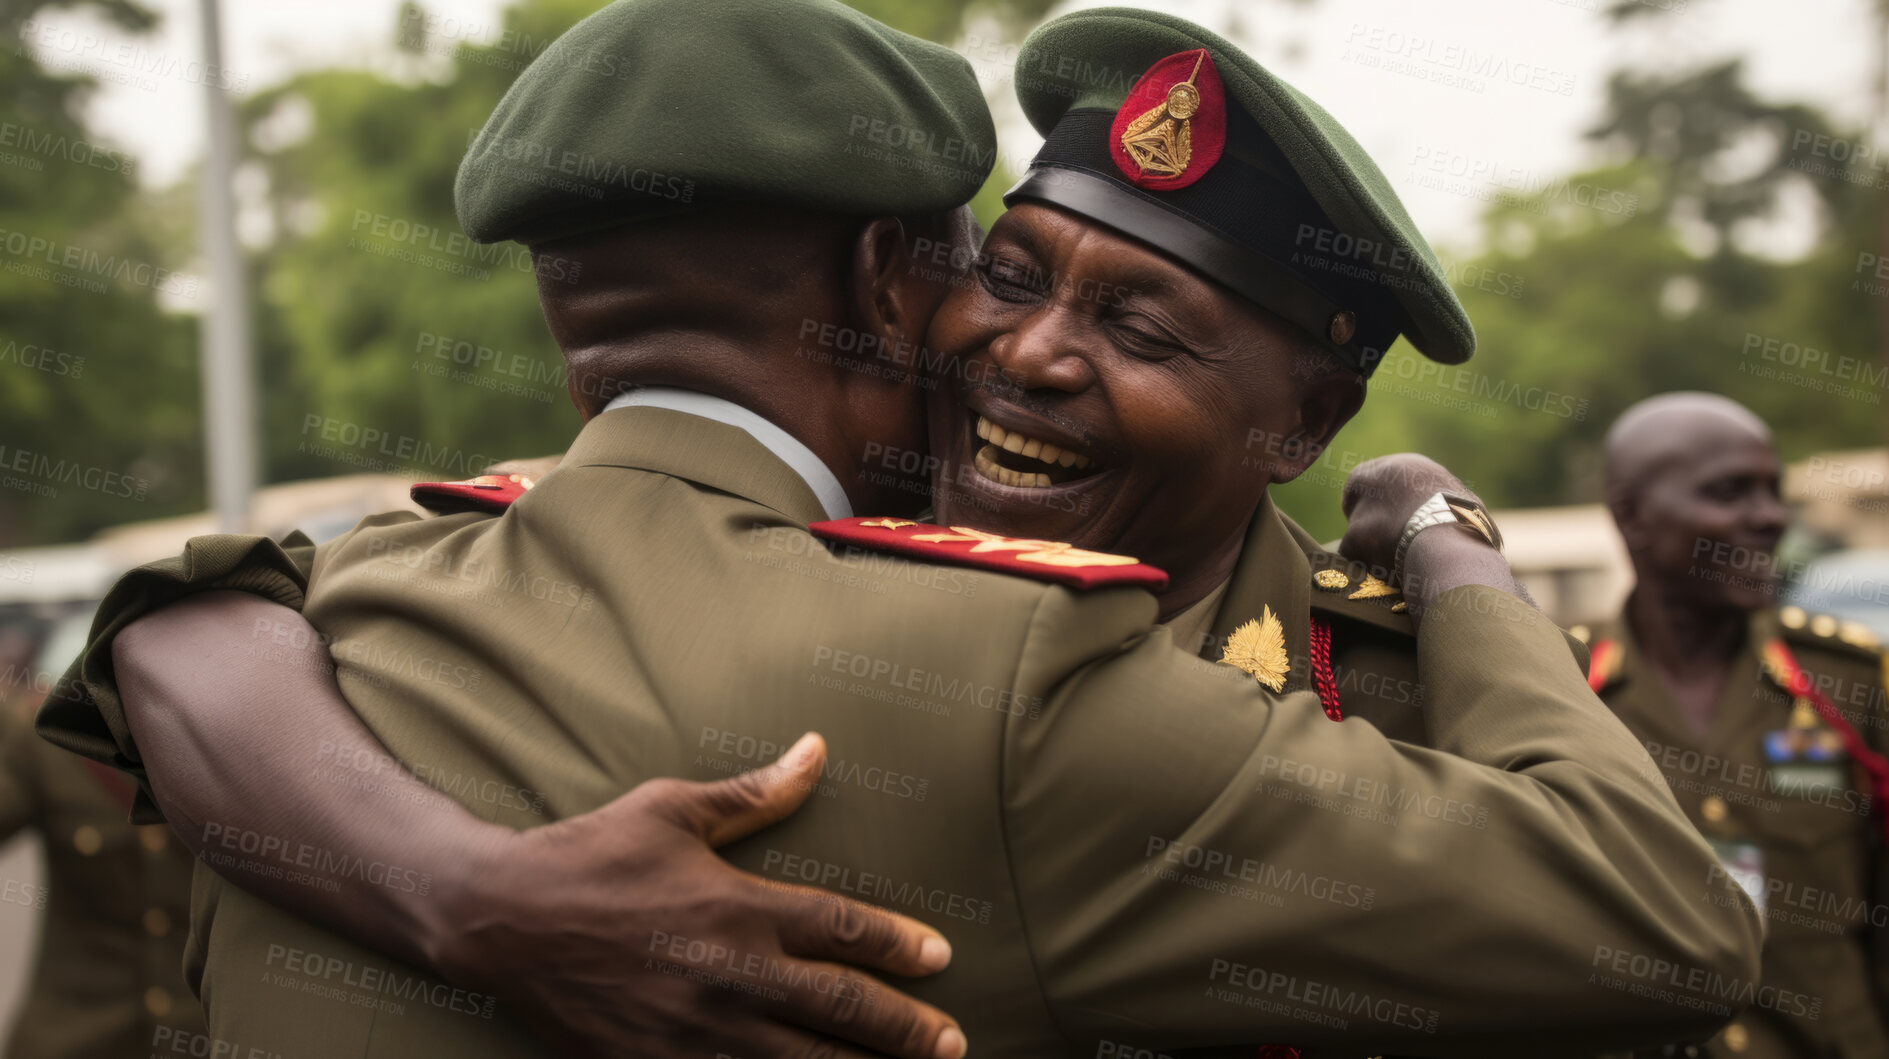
1345	589
1038	560
487	492
1830	632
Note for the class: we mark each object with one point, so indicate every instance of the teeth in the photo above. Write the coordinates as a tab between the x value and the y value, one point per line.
988	466
1022	445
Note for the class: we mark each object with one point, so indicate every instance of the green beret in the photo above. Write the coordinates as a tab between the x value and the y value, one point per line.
649	107
1165	131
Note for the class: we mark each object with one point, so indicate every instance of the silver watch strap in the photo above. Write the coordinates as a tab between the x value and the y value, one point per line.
1432	512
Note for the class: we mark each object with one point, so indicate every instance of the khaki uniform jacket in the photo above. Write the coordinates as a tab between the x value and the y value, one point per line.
1282	569
1825	984
1125	844
112	912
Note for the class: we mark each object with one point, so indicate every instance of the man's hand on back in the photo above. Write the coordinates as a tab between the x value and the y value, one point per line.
620	932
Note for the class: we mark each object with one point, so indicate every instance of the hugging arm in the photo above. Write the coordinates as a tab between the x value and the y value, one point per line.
244	754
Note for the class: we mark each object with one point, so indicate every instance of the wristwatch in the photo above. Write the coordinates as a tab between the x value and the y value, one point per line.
1445	509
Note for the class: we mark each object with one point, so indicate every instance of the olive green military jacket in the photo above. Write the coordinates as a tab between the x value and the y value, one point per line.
112	910
1126	844
1806	830
1284	572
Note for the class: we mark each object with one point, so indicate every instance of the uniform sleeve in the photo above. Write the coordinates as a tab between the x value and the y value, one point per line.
1200	863
18	793
84	714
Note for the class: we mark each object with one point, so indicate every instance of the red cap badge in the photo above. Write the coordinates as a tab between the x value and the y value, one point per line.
1171	128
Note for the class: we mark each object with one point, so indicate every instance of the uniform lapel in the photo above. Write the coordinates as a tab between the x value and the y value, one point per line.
1749	701
1272	572
1632	688
699	450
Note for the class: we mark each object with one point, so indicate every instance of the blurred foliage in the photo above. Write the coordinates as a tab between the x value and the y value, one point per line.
373	313
1622	282
98	390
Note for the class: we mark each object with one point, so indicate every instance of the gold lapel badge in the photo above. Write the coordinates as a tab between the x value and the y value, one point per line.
1372	587
1161	140
1259	648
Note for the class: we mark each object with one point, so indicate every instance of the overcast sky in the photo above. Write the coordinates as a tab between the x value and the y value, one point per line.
1431	88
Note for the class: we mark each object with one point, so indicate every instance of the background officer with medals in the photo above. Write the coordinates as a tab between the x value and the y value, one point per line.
107	981
1768	723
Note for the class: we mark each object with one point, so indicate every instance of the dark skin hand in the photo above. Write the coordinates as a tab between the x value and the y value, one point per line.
565	923
1381	495
1693	484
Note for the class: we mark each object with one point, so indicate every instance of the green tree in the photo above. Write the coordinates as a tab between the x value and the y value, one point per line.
98	393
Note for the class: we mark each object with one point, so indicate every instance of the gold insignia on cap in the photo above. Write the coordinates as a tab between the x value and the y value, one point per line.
1793	617
1161	140
1344	324
1259	648
1331	580
1856	634
1371	588
1823	625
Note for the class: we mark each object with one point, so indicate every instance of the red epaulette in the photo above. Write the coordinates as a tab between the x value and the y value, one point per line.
1601	661
1055	561
487	492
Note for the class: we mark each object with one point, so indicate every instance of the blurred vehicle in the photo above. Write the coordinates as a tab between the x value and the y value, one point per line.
1850	585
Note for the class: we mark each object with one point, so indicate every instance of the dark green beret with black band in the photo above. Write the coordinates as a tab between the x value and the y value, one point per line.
648	107
1163	130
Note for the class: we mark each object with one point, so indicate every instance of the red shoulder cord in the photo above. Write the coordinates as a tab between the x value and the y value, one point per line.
1798	684
1600	662
1322	677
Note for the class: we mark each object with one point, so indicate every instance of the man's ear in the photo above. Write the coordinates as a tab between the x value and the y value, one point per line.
1326	404
884	299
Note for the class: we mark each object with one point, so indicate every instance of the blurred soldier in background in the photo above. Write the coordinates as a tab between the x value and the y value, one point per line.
1767	722
114	904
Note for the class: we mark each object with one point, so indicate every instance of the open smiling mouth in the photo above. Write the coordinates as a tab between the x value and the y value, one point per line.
1013	458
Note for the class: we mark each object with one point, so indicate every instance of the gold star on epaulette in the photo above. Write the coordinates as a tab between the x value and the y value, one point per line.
1372	588
1259	648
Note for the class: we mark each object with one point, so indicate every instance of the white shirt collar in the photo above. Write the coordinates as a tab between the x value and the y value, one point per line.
811	469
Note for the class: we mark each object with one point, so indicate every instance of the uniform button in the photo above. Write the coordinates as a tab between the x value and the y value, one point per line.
87	840
1793	617
153	837
1581	633
157	1001
1823	625
157	922
1713	809
1736	1038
